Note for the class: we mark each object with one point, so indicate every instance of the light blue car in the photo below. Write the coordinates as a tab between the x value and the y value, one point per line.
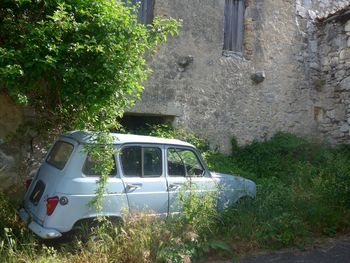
148	175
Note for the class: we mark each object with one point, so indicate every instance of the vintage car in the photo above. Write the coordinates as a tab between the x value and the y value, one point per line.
148	175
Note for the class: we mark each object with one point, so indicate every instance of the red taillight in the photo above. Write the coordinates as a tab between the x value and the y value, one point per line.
51	204
28	182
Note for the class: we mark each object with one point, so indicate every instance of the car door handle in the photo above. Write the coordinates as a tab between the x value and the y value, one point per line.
133	187
173	187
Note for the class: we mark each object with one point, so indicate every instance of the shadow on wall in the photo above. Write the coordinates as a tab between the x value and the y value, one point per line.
135	122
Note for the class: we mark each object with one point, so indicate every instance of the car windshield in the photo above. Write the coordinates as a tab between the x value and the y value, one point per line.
60	154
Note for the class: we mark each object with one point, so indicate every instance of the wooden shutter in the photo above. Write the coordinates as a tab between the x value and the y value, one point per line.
234	25
145	13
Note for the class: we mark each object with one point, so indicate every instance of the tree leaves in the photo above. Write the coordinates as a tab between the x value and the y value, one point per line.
81	61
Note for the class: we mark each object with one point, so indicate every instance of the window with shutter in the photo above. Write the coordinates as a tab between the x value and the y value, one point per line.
145	11
234	25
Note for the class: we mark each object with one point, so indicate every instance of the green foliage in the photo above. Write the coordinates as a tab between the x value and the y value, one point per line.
14	237
80	62
303	189
334	176
8	218
138	239
303	192
278	157
101	150
225	164
292	207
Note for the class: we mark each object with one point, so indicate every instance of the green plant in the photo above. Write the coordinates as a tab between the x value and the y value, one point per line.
305	197
81	62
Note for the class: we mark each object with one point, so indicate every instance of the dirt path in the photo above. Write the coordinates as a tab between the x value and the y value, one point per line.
327	251
332	250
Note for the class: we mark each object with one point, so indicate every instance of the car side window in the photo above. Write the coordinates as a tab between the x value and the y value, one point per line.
91	167
152	161
184	162
141	161
131	161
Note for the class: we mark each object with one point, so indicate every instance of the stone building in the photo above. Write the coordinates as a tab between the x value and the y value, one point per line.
243	68
273	77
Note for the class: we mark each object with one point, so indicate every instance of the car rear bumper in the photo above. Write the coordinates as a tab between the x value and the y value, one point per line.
45	233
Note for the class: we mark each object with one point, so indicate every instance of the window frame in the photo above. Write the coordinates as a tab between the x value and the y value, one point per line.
143	17
234	14
50	154
196	154
142	146
111	175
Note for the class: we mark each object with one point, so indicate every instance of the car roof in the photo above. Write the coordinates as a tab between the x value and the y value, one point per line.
86	137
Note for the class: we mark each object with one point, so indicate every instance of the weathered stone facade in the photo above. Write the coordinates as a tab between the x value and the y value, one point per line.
10	118
218	96
332	92
325	27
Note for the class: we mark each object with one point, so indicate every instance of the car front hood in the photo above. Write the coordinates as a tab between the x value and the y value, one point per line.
241	185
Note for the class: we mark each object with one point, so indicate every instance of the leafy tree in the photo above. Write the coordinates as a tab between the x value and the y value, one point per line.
78	63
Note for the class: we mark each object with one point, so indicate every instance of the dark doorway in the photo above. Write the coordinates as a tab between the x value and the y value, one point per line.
135	123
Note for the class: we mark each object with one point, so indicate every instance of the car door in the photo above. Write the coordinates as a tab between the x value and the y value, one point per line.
144	178
186	174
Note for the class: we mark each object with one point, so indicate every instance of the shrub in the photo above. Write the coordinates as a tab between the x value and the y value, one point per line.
82	62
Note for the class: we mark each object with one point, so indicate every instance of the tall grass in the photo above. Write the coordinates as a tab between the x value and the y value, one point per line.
303	192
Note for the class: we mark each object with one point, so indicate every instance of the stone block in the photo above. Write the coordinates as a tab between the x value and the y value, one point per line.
331	114
344	85
301	11
334	61
6	162
184	61
325	61
313	46
258	76
344	54
340	74
10	116
344	127
347	26
312	14
315	66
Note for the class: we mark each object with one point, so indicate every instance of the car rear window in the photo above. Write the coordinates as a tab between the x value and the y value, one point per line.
60	154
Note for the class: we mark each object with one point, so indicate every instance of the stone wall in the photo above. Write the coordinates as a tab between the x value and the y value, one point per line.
332	94
10	118
324	27
214	95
